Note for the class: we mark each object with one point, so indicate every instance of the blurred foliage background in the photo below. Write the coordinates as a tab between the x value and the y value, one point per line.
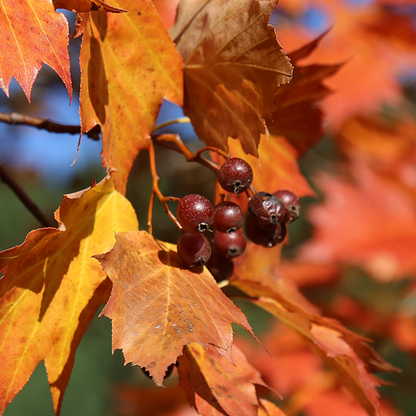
42	164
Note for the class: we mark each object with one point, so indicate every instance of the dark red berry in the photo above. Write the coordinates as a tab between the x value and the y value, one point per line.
266	237
221	268
194	249
267	208
230	245
195	213
292	204
228	217
235	175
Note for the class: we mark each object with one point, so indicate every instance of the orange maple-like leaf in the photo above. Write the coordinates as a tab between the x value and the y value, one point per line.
233	65
31	34
214	386
370	222
157	306
51	288
347	353
296	113
128	65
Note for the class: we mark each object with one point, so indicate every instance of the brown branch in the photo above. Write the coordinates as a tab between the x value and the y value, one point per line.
44	124
24	198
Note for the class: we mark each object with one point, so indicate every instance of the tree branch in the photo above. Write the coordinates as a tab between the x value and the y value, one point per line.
44	124
24	198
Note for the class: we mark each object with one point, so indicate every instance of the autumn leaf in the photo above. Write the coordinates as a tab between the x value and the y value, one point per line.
296	114
86	6
32	34
51	288
233	66
214	386
370	222
128	65
347	353
157	306
363	36
276	166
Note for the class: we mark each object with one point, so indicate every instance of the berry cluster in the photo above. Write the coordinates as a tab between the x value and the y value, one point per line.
265	223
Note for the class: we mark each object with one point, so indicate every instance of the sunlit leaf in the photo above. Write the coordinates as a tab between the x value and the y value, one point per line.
128	65
157	306
52	288
233	65
32	34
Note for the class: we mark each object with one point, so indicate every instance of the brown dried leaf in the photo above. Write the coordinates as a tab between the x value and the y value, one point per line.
216	387
157	306
233	66
296	114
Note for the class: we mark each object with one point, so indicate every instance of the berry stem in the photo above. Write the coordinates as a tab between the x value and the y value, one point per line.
167	140
178	120
156	191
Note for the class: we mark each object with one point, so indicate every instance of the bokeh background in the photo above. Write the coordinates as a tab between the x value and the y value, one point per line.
378	79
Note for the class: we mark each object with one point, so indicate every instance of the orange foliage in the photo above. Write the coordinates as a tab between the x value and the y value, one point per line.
121	96
157	306
59	289
21	55
233	65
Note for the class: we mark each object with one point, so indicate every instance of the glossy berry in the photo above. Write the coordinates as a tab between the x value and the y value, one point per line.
235	175
228	217
292	204
230	245
266	237
221	268
195	213
194	249
267	208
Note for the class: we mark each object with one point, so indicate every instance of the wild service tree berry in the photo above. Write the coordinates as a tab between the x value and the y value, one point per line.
269	236
230	245
195	213
291	203
228	217
221	268
235	175
194	249
267	208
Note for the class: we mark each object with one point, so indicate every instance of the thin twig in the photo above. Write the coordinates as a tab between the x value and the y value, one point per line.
167	140
44	124
24	198
172	122
156	191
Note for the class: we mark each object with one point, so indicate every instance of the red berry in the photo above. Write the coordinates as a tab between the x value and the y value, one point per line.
221	268
235	175
194	249
292	204
231	244
266	237
267	208
228	217
195	213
